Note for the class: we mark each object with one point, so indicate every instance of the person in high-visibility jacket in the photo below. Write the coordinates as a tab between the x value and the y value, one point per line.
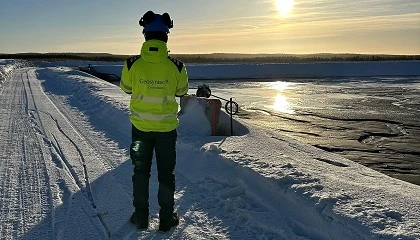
154	79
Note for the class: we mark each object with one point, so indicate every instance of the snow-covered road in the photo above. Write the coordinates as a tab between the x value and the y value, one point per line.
65	173
46	165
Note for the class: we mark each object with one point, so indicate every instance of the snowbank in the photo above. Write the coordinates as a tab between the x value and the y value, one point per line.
7	68
301	70
328	196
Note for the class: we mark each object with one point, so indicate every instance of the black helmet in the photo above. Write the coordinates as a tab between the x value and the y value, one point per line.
153	22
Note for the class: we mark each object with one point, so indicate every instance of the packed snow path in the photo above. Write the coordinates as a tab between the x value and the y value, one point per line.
66	174
45	166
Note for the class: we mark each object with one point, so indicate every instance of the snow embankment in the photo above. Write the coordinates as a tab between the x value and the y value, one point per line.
260	185
7	67
277	70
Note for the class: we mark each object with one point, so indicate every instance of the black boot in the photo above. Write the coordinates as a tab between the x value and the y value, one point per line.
141	223
166	223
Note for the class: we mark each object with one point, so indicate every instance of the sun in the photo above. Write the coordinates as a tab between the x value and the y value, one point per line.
284	7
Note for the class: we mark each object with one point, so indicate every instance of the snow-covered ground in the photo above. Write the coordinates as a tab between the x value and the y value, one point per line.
65	173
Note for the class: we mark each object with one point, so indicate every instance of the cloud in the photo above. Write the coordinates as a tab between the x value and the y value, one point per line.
263	27
315	25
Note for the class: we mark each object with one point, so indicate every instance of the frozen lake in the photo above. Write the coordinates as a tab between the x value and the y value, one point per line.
365	111
370	120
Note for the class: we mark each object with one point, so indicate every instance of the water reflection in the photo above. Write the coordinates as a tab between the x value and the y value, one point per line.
281	101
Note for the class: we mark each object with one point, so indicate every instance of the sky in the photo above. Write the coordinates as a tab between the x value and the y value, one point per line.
217	26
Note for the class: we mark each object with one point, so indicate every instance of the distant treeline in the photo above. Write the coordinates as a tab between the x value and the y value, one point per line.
217	57
279	58
65	56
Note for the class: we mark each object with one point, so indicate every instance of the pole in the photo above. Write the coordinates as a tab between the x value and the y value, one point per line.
231	118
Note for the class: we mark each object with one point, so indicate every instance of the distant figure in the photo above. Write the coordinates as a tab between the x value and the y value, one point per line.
154	79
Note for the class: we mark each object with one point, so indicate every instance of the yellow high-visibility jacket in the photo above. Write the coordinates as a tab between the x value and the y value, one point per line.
154	79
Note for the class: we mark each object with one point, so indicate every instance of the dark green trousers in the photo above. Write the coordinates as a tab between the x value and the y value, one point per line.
141	152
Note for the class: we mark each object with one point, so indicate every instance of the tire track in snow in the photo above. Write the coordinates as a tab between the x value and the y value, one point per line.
104	152
25	192
86	188
30	104
7	166
30	211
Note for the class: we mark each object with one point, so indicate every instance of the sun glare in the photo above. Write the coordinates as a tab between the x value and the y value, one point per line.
284	7
281	102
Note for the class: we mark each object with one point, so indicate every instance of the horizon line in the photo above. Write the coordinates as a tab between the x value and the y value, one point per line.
227	53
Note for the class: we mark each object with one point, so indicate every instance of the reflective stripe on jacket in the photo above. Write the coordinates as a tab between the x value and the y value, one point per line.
154	79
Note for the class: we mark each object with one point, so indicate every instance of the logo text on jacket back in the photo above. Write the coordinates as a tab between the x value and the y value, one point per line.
154	84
